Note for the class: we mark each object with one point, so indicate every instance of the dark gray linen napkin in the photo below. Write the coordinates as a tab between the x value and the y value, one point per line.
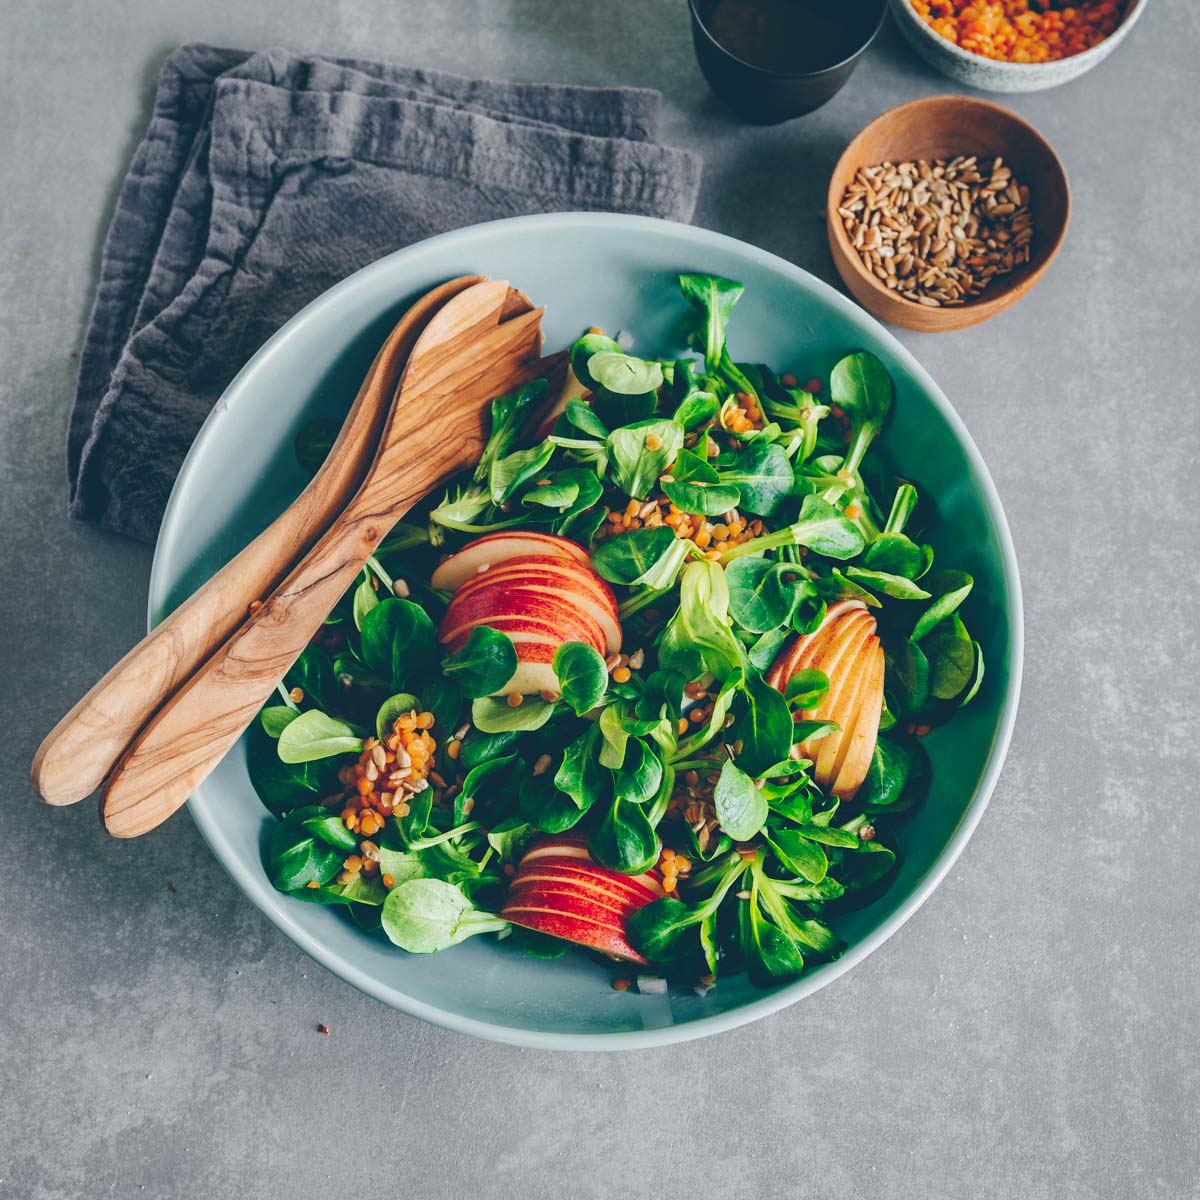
265	178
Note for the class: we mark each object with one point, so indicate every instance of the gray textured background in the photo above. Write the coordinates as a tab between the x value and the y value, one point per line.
1032	1032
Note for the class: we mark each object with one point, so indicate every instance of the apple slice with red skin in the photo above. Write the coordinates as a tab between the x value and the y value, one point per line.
839	703
543	590
787	662
554	568
494	548
560	891
520	608
855	672
541	601
538	623
859	747
846	647
575	582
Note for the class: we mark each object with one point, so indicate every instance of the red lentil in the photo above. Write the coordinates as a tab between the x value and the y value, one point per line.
1022	31
377	788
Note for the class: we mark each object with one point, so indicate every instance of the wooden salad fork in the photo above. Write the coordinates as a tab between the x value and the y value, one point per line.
77	755
436	428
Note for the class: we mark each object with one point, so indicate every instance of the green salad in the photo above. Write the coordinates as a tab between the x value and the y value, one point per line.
650	681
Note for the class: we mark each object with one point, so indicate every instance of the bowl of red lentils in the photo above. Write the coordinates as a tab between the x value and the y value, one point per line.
1015	45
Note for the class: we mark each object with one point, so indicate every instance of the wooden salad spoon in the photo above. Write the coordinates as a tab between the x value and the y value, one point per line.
78	753
436	428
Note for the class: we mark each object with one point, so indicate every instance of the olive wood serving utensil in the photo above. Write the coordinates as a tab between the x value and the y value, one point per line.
463	359
81	749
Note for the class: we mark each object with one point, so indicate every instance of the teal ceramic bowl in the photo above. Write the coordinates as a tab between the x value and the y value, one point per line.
617	272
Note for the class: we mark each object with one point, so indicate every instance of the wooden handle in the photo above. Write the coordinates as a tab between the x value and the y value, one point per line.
81	749
199	724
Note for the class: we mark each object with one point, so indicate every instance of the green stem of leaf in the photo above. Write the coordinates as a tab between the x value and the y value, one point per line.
403	537
450	834
643	599
855	823
377	567
468	527
902	508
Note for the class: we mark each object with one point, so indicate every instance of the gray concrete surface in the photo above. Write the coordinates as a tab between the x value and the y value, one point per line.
1031	1033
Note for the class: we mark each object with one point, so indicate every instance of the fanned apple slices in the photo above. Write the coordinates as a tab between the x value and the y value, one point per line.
846	647
559	890
539	589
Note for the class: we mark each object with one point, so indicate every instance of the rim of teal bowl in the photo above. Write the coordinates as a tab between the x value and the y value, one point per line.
257	888
1080	62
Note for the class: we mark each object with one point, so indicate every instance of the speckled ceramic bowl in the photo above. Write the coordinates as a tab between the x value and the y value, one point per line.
617	272
992	76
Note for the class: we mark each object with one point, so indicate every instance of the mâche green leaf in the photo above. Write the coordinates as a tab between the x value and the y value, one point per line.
741	807
484	663
640	453
399	641
314	734
426	915
582	675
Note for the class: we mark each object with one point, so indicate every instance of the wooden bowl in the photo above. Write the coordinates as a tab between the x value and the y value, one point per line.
944	127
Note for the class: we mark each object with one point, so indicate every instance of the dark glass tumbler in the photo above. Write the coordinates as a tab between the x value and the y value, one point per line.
767	96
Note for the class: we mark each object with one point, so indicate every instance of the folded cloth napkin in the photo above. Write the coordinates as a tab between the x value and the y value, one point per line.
265	178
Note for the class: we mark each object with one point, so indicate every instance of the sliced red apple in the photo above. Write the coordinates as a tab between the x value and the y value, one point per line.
845	646
575	582
857	749
787	662
559	890
845	671
518	608
541	600
487	552
537	623
568	853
